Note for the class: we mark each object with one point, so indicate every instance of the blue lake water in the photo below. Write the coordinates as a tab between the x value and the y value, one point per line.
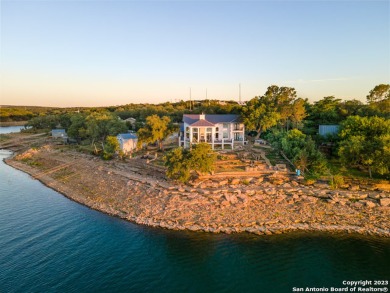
9	129
51	244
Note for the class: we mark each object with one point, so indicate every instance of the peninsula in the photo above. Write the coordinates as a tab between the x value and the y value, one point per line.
139	192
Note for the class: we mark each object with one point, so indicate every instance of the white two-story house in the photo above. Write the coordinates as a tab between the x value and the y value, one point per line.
218	130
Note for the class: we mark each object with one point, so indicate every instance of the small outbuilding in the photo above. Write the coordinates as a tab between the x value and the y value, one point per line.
127	142
325	130
58	133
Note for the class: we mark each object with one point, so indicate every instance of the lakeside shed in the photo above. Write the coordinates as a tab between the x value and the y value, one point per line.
58	133
127	142
324	130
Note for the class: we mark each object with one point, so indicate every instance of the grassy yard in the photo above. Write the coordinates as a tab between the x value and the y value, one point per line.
354	173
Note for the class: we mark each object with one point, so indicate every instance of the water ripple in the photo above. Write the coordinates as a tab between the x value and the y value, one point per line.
51	244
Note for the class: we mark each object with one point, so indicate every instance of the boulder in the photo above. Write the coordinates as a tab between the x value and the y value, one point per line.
270	191
250	192
235	181
233	199
370	204
223	182
259	180
204	192
280	198
354	187
362	196
294	183
374	196
342	201
384	202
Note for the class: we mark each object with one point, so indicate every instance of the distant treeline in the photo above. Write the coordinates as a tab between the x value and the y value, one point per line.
138	111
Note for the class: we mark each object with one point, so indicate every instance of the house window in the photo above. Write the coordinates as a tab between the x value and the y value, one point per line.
209	130
225	125
225	134
216	135
195	130
187	129
217	129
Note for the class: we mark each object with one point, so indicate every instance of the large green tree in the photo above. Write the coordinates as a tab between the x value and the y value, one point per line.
101	124
278	105
300	149
298	112
180	162
326	111
379	101
260	114
365	142
379	93
283	98
155	130
178	165
78	126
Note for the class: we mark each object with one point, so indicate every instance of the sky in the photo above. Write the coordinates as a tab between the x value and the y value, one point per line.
101	53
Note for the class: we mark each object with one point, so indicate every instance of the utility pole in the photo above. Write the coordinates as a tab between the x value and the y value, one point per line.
190	100
239	93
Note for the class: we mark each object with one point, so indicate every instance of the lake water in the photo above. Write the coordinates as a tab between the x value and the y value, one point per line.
51	244
9	129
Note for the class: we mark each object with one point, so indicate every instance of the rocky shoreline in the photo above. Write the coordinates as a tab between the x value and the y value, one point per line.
138	192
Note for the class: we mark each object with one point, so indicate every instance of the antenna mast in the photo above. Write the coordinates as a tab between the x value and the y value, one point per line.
239	93
190	100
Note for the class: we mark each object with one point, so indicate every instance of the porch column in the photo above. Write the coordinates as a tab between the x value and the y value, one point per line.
190	136
212	137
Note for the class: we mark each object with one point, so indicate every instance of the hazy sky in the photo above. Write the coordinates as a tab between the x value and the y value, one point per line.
94	53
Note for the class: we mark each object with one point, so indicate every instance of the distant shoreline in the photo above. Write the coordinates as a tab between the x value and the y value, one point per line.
12	123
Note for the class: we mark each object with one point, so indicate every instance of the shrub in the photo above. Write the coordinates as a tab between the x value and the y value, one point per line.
337	181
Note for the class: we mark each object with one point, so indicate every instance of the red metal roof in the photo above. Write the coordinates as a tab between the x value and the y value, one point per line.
202	123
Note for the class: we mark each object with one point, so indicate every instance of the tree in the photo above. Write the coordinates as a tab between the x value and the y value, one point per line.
277	106
180	162
379	93
155	129
44	122
365	143
260	114
110	147
379	101
300	148
298	112
351	107
283	98
100	125
326	111
202	158
177	164
78	127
